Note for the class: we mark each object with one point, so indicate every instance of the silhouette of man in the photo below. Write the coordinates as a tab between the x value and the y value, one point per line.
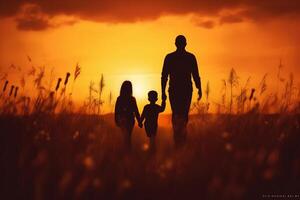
180	66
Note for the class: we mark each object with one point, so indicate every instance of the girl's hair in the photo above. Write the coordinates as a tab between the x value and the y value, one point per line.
126	89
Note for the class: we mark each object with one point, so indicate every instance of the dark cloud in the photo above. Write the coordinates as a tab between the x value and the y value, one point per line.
35	24
118	11
230	19
10	8
208	24
32	19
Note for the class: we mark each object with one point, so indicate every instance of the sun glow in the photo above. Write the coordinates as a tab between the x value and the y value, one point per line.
140	86
139	91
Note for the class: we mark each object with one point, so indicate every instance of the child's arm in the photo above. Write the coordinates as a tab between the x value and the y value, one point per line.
163	106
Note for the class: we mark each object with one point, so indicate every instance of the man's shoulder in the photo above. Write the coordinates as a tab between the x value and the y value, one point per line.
169	55
190	54
175	54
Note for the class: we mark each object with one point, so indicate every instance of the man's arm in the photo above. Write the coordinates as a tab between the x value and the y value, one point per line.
164	78
196	77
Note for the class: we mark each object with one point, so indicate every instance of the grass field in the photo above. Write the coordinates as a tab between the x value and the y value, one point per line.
51	149
72	156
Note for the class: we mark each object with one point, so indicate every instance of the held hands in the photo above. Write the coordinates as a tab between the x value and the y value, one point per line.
141	124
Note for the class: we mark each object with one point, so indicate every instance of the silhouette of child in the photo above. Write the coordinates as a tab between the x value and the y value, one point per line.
150	115
125	111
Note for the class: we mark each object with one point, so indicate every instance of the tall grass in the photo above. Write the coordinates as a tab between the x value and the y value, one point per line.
49	150
235	97
233	81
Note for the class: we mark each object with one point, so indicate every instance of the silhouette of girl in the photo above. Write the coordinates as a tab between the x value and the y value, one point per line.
125	111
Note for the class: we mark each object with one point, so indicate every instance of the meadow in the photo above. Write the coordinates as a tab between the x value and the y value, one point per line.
248	149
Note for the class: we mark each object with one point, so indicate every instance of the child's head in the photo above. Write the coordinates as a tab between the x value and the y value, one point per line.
126	89
152	96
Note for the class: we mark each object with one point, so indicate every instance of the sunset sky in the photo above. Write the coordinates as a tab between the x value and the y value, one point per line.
128	40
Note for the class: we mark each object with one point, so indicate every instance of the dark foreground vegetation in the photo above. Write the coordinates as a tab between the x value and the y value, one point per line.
52	149
82	157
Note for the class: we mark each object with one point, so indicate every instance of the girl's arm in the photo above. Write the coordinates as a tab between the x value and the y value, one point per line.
136	111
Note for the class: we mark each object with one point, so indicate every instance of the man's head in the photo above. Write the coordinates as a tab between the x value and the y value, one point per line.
152	96
180	42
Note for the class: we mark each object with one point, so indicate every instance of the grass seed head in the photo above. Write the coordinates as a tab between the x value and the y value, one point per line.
11	90
5	86
67	78
58	83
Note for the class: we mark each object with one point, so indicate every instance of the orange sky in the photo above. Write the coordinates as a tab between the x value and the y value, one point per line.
134	49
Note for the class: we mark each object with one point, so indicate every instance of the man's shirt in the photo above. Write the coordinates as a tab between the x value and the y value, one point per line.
181	66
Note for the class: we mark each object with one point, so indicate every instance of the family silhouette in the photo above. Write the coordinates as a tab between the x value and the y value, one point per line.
179	68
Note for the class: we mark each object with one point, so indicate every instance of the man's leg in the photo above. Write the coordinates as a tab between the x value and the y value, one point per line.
175	115
180	104
179	134
185	117
187	105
